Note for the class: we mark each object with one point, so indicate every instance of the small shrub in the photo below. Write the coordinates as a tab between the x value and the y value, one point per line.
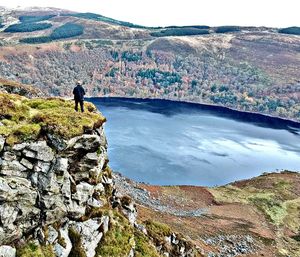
77	249
143	247
157	230
31	19
226	29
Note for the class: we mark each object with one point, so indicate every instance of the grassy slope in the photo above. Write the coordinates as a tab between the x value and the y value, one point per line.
28	119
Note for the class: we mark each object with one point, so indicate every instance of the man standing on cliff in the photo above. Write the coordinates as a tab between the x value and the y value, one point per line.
79	93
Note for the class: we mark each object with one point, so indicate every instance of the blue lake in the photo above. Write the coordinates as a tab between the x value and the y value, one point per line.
173	143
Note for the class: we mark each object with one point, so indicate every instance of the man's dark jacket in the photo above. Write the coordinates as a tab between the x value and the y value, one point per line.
79	93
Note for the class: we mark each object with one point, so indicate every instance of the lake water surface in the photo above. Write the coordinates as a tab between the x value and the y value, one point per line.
172	143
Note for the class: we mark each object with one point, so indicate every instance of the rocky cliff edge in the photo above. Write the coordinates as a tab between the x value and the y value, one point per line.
57	192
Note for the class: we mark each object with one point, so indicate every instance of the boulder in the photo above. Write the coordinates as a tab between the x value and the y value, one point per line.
57	142
20	147
2	142
43	167
14	189
105	223
9	156
89	143
7	251
8	215
95	203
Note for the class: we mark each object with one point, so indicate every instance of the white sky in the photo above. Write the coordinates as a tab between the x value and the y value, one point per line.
272	13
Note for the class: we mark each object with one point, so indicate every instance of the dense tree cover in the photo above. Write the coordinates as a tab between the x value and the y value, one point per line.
1	25
112	73
27	27
179	32
65	31
184	27
290	30
98	17
33	19
163	78
208	77
131	56
226	29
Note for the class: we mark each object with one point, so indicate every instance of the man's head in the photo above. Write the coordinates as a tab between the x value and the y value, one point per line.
79	83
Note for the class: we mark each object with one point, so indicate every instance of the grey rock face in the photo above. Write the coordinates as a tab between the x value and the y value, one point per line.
13	167
26	164
49	187
42	150
39	186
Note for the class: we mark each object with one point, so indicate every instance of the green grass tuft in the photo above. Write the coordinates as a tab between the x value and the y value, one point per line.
32	250
77	249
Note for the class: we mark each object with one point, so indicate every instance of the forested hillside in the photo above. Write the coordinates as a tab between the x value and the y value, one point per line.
245	68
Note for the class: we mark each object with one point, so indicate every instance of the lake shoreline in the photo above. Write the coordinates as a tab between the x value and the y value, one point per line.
213	107
199	141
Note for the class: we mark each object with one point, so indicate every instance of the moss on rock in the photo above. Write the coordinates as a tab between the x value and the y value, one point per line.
33	250
27	119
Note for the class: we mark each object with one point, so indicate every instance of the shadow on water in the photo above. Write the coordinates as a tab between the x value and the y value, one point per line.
170	108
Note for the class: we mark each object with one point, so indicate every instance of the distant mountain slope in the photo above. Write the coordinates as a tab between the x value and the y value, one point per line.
255	217
33	18
246	68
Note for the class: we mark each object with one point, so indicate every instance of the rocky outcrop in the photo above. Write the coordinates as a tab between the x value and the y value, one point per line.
57	193
48	189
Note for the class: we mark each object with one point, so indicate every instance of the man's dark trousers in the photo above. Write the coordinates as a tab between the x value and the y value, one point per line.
81	105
